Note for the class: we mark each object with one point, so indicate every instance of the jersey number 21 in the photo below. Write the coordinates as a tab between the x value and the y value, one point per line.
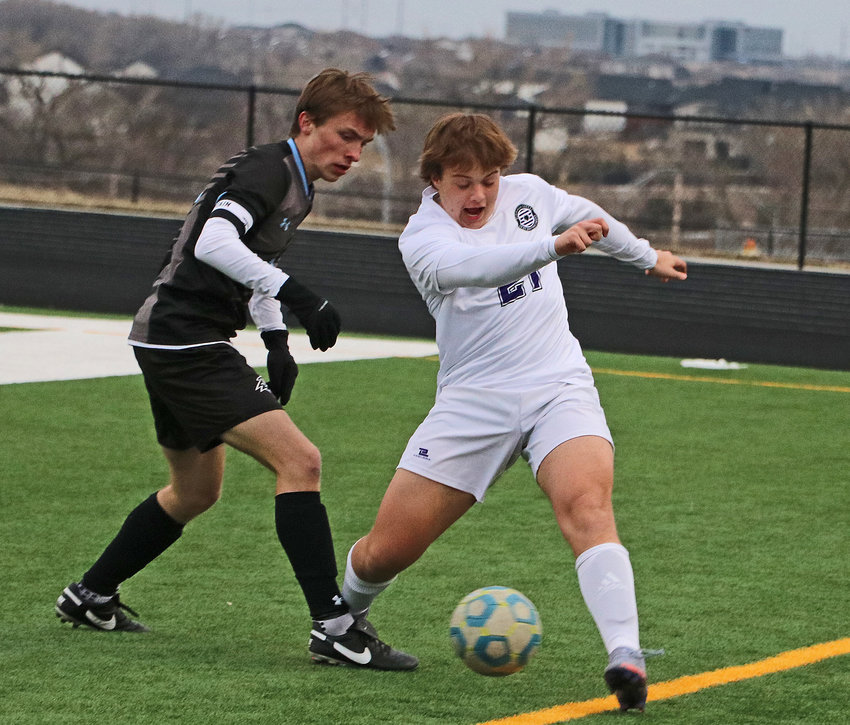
516	290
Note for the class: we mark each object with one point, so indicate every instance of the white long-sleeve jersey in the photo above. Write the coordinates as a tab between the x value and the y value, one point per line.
495	292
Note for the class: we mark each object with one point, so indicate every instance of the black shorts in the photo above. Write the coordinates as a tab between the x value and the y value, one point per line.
198	393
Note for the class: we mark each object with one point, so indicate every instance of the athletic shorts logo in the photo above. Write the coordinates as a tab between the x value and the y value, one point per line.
261	386
423	453
526	217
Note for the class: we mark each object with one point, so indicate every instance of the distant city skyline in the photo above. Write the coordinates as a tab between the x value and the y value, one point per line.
817	27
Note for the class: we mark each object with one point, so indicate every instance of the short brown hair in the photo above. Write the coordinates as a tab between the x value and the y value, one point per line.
465	140
335	91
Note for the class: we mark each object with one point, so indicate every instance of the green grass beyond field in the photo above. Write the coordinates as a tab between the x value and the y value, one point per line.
732	498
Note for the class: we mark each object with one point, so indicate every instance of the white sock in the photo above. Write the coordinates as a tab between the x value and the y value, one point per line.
359	594
607	584
93	597
338	625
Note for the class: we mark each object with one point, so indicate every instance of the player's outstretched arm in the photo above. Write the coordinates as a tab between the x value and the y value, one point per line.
668	267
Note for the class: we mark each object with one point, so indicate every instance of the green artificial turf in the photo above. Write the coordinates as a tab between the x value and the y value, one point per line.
731	497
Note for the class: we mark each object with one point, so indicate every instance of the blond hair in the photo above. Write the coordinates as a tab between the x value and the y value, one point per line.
464	140
335	91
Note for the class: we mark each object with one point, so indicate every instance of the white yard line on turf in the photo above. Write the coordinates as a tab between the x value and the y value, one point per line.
44	347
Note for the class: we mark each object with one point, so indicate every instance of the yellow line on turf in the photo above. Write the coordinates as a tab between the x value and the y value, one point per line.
722	381
685	685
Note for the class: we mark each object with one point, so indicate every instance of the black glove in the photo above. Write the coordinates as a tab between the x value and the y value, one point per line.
319	317
282	367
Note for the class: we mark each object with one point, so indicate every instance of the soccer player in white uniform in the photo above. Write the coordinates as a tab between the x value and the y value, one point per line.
204	394
513	381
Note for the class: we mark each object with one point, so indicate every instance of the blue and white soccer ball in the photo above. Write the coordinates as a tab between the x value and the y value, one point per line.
496	630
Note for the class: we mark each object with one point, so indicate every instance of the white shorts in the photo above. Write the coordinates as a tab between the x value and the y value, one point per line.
473	435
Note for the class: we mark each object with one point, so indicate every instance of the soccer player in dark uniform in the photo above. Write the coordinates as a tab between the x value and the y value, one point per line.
222	265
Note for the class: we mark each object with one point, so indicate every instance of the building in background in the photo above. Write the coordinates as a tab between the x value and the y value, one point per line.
592	32
712	40
744	43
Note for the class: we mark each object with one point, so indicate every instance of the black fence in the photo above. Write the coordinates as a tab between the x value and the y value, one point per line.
106	263
700	185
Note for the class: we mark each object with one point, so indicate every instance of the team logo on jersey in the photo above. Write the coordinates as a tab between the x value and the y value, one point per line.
526	217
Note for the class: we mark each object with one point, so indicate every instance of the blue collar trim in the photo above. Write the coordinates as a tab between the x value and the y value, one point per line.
299	164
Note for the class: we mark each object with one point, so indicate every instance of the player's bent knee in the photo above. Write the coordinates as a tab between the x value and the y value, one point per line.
313	464
298	470
586	517
309	463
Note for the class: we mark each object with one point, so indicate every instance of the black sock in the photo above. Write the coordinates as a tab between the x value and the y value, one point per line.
305	534
146	533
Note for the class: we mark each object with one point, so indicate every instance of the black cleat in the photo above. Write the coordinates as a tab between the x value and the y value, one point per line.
359	646
73	607
626	677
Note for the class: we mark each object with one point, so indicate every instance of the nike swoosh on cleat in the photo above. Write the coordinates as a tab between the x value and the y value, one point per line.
107	624
361	658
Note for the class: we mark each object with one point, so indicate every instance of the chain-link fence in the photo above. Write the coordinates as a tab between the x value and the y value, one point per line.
703	186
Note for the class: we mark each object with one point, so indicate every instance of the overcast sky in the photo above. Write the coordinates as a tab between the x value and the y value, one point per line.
821	27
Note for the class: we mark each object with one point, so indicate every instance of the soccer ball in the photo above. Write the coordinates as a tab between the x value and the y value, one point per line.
495	631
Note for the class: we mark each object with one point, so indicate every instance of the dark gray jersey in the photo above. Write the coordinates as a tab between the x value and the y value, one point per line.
191	302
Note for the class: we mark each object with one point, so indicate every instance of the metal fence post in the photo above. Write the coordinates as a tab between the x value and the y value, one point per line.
529	139
252	106
135	187
804	201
